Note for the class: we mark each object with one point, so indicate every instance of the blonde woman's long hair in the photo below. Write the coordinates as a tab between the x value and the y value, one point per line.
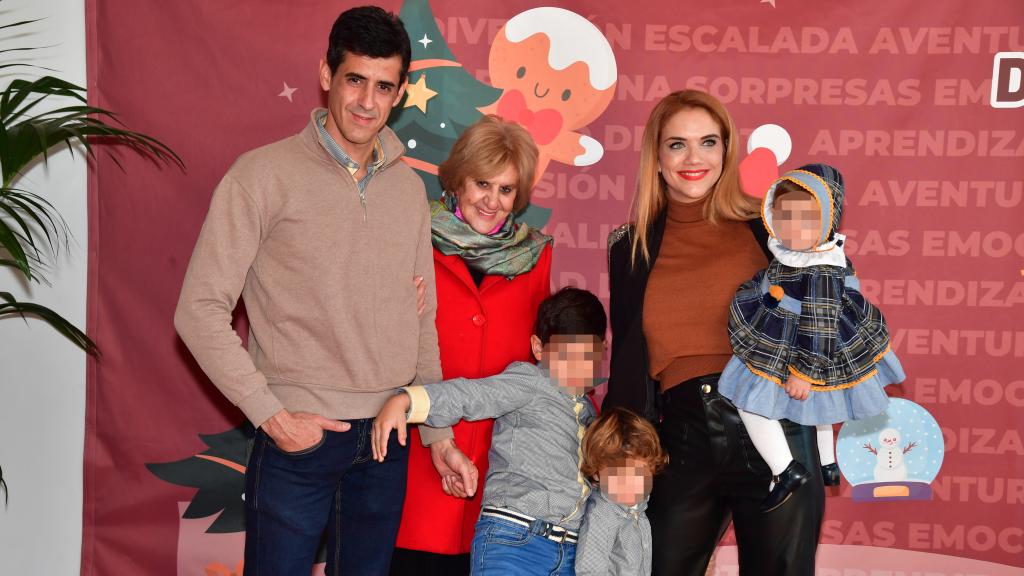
727	201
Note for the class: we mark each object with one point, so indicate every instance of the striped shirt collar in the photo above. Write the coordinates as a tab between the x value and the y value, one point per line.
339	154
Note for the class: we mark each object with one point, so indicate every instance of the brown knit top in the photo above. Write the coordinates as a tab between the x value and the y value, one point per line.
686	306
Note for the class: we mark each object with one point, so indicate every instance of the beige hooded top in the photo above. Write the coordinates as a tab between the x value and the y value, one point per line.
328	288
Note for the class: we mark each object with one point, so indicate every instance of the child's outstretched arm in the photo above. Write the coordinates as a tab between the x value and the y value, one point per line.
391	417
458	473
818	330
447	402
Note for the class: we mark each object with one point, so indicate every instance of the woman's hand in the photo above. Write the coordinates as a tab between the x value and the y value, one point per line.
797	387
391	417
459	475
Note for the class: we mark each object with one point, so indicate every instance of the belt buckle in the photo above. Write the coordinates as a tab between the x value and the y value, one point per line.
550	533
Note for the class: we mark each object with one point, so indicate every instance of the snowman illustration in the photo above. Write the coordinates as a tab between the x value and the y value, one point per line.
873	453
889	466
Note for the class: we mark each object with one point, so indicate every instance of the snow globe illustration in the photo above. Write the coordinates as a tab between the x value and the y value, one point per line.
892	456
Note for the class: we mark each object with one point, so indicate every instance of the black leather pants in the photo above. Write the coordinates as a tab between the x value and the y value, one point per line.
716	475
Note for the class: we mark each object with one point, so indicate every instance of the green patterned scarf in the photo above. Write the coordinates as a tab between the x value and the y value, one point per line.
509	252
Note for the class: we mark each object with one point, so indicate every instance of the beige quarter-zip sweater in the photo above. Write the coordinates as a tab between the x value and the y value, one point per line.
327	283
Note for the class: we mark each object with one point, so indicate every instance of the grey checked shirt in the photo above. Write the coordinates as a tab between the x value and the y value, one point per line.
615	540
534	461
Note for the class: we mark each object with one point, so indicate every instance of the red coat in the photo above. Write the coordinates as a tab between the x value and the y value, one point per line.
480	332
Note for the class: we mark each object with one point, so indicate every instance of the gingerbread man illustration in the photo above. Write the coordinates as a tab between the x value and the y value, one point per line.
558	73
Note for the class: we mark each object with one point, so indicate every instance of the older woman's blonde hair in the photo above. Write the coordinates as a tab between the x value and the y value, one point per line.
727	201
484	150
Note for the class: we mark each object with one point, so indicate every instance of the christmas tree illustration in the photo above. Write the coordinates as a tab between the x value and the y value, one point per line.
442	98
218	474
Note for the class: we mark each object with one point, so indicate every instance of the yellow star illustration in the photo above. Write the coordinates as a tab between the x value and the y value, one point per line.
417	94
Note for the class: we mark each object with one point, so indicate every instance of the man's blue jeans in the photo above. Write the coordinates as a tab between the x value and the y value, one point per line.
504	548
291	498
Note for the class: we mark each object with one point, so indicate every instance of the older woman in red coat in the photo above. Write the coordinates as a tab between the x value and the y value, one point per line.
491	275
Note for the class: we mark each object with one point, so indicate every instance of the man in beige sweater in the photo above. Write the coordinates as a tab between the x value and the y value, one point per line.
322	234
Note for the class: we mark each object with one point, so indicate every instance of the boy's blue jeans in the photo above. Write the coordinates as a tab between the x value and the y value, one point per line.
504	548
290	498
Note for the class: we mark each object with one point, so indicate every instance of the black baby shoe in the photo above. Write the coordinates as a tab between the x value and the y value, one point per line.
830	474
794	476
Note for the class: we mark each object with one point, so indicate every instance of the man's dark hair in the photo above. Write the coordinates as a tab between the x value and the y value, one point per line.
369	31
570	312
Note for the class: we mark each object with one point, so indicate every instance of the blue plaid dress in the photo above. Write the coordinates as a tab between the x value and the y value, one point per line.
813	322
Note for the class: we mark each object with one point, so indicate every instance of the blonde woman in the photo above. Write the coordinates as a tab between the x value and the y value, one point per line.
673	272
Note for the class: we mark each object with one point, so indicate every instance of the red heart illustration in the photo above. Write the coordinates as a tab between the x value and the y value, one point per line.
757	172
543	125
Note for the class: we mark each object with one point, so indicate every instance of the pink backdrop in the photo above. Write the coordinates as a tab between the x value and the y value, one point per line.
895	94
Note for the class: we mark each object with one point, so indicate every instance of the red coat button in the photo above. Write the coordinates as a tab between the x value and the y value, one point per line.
479	319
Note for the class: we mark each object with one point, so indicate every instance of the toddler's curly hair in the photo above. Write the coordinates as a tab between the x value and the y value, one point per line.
619	434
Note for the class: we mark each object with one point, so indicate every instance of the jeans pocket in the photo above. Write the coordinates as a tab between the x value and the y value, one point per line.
299	453
508	534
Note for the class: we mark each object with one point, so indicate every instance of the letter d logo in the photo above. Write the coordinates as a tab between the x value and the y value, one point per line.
1007	87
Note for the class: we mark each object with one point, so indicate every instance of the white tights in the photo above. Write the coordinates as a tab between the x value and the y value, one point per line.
770	441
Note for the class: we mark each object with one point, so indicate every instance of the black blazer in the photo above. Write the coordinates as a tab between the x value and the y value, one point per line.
629	384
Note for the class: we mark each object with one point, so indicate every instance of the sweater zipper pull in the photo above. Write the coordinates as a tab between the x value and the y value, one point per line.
362	202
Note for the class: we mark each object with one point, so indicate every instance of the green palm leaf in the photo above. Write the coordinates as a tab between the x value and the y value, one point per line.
10	306
21	23
23	217
24	137
31	229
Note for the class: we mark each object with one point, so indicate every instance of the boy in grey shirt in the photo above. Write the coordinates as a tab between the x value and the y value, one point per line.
534	493
621	452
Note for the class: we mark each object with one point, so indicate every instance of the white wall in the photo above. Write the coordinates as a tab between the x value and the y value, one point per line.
42	376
